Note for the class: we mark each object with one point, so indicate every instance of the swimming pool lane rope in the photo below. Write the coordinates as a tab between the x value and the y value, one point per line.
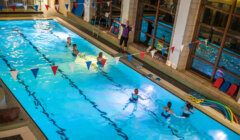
72	84
37	102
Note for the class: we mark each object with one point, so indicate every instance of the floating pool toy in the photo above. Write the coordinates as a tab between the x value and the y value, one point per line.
225	110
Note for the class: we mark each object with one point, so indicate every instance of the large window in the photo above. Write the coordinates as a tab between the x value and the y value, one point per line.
104	13
219	36
19	4
156	24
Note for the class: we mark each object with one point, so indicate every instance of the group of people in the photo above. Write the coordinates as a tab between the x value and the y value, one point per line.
75	51
167	111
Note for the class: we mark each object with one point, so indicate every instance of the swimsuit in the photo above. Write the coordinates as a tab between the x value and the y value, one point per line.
134	98
68	46
74	54
165	114
186	113
99	63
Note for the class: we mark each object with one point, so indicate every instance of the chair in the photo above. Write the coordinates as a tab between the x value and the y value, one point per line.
225	86
232	89
218	82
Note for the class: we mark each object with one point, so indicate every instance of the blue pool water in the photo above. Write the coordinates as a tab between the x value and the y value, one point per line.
88	104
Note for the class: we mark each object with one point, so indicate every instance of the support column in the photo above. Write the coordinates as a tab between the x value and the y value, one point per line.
185	22
89	11
238	97
129	12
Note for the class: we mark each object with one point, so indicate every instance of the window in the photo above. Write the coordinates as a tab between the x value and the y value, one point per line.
219	37
230	62
153	33
237	10
207	52
232	44
235	24
202	67
224	5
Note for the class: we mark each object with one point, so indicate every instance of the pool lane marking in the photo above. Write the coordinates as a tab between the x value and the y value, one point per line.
150	112
37	102
72	84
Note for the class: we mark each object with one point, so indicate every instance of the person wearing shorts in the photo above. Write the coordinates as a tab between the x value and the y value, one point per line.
125	34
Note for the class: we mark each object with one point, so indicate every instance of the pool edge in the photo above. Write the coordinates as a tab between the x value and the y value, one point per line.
30	123
163	83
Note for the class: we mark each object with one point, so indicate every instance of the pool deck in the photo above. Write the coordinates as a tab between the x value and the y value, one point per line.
186	78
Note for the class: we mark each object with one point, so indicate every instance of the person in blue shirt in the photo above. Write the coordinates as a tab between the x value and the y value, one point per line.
133	99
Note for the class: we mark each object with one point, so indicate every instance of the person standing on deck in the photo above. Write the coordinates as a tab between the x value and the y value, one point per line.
125	35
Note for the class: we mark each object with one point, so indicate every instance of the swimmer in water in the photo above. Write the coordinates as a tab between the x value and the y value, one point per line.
69	41
167	111
187	110
75	51
134	99
99	59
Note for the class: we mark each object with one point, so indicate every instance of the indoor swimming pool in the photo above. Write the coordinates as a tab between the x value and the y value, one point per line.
80	104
